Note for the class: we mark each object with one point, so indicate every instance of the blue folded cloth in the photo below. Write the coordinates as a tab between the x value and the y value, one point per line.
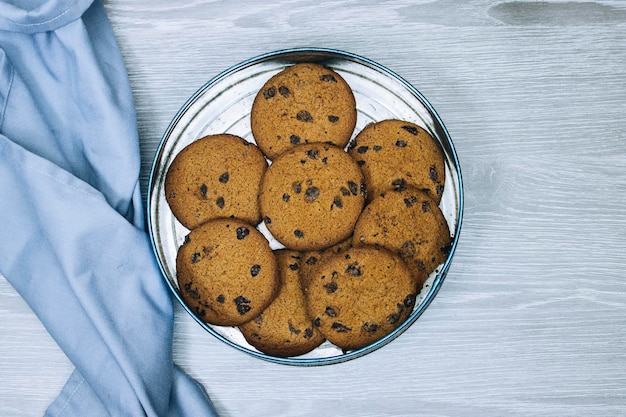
72	237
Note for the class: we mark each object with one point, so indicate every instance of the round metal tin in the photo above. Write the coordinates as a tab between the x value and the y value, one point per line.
223	105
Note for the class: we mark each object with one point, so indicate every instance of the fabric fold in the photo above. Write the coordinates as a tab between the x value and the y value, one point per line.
71	104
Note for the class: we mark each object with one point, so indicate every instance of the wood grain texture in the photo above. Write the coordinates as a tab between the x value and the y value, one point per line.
532	317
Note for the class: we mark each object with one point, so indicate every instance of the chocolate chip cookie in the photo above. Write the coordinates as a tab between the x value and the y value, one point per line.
311	196
213	177
360	295
226	271
395	153
284	329
410	223
304	103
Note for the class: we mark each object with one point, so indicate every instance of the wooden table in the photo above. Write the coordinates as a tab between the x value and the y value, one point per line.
531	320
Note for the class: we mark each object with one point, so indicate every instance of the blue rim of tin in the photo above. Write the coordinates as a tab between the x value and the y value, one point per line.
438	281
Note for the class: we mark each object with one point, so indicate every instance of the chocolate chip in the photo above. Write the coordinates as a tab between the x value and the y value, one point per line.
354	188
409	201
242	232
296	187
220	298
220	202
312	153
292	329
317	322
224	178
242	305
432	174
269	93
352	144
439	190
362	149
193	293
187	239
330	312
401	143
409	301
333	119
331	287
203	190
370	327
294	139
340	328
400	308
267	220
284	91
377	148
411	129
399	184
308	333
286	197
304	116
255	269
298	233
407	250
328	77
325	160
363	189
360	163
311	194
353	269
425	206
195	258
294	266
337	202
393	318
311	261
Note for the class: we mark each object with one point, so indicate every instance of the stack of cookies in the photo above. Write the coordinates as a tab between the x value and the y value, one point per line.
359	221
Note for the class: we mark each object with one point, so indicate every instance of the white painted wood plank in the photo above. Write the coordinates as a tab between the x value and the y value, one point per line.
532	317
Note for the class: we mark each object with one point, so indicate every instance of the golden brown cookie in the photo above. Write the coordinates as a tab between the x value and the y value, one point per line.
213	177
284	328
409	223
395	153
312	259
304	103
226	271
311	196
358	296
